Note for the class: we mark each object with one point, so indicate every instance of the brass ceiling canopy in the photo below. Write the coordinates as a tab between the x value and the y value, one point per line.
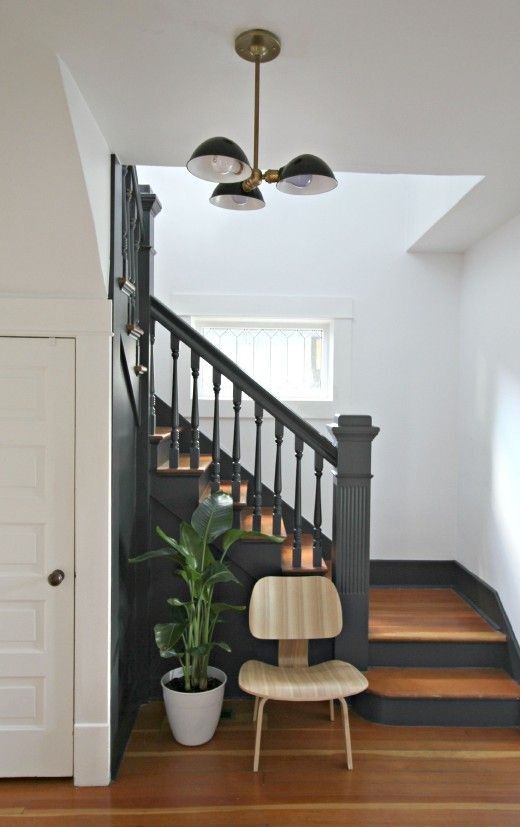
223	161
258	44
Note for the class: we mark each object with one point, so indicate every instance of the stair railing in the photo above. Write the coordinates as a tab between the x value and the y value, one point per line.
349	454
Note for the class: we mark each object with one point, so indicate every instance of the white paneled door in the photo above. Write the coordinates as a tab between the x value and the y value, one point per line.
37	381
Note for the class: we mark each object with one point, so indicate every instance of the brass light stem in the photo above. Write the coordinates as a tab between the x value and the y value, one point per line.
258	46
257	112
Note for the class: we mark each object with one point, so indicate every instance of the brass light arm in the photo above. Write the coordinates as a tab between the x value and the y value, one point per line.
271	176
253	181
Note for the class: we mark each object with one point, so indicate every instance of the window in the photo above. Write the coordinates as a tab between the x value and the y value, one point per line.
289	358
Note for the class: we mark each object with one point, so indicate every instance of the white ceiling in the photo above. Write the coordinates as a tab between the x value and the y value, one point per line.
420	86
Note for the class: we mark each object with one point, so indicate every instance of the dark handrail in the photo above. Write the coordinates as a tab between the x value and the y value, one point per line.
231	371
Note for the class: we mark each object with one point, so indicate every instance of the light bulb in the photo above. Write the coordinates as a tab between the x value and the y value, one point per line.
239	199
300	180
223	166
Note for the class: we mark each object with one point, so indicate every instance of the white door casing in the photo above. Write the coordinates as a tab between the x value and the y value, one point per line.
37	421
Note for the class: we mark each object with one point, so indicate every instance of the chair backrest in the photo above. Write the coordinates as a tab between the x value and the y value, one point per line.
295	608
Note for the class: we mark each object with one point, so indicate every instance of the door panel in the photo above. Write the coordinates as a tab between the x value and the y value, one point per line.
36	537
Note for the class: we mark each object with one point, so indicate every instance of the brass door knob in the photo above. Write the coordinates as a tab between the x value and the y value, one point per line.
56	577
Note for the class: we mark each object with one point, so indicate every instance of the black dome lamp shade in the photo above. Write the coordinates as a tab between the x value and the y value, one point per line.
219	160
306	175
222	161
233	197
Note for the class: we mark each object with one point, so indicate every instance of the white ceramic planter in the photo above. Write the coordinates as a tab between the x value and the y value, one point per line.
193	716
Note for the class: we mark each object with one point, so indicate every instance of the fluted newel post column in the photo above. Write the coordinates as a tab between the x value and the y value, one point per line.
351	533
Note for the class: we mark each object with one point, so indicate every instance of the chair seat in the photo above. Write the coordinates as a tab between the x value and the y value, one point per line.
322	682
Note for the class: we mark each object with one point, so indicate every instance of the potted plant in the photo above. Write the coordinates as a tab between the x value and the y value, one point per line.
193	692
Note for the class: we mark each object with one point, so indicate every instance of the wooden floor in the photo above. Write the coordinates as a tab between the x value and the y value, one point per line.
402	776
426	615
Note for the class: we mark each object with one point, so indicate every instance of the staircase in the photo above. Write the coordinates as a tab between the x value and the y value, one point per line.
435	660
431	657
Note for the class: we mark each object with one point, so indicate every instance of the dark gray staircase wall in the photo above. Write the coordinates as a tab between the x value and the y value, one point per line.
163	418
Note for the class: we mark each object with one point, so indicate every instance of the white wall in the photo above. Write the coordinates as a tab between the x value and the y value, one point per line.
54	253
48	237
489	415
349	243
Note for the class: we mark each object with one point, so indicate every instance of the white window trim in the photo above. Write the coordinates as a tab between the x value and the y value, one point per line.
337	310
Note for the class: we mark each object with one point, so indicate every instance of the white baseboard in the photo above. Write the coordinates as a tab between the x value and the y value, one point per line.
91	755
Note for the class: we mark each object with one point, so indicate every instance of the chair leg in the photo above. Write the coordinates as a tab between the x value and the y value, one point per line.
331	709
258	733
255	710
348	746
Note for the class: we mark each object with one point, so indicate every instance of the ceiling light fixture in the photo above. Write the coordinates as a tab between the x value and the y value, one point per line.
222	161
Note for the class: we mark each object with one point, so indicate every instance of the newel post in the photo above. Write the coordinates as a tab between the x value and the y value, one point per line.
351	533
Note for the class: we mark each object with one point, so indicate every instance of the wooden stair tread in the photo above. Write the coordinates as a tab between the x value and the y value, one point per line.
184	467
246	522
161	432
306	566
226	488
416	614
467	682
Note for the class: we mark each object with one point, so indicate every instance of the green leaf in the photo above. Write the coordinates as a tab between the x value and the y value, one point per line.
217	608
167	635
218	573
156	552
213	516
167	539
174	601
193	543
232	536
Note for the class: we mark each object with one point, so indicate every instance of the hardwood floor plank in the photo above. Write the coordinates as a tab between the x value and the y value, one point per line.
402	776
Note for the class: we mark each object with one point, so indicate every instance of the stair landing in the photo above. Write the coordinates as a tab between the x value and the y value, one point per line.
426	614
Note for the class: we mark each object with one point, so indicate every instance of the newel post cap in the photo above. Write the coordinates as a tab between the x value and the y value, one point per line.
353	435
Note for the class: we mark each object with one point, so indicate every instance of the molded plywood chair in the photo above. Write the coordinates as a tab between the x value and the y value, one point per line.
294	610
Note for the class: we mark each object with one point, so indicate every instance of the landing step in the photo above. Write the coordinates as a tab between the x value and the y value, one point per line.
442	683
307	566
440	697
427	615
266	527
226	487
184	467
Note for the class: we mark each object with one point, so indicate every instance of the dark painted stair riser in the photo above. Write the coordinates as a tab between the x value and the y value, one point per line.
440	653
479	712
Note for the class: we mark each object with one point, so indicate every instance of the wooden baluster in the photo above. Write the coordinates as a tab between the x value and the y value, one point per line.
277	502
257	497
316	532
297	531
215	476
174	438
152	411
237	471
195	433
